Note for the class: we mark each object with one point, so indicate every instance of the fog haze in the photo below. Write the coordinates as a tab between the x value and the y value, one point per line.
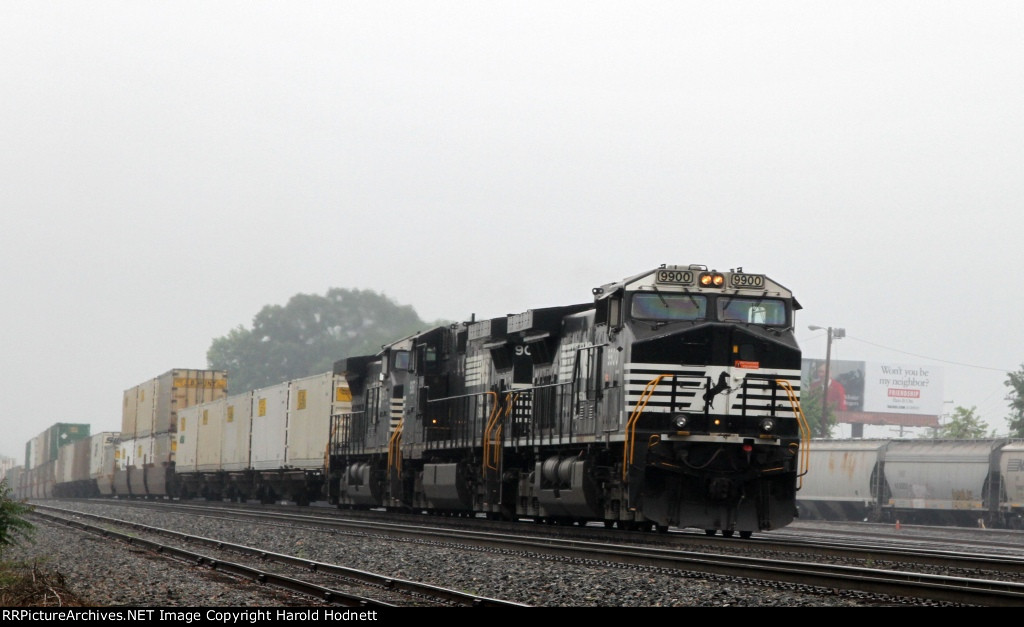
169	168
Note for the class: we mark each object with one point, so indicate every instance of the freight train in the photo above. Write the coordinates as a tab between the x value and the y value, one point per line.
935	482
669	398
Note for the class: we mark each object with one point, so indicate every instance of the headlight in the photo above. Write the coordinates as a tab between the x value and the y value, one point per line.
680	420
767	425
711	279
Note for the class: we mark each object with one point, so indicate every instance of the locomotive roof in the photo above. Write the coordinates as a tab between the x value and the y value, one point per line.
608	289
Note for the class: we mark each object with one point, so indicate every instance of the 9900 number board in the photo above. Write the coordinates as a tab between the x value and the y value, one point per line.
675	277
737	280
741	281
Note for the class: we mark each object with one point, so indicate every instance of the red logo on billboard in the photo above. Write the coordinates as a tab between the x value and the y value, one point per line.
898	393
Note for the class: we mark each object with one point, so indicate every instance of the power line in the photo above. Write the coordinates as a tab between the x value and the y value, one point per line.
945	361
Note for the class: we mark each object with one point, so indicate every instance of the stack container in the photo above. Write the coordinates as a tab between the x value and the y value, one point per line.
145	412
121	457
130	412
235	450
15	477
188	432
159	469
269	427
311	405
150	421
101	461
237	431
197	458
139	454
44	447
152	406
211	429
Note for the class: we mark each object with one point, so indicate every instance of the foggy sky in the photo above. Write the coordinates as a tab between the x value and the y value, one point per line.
169	168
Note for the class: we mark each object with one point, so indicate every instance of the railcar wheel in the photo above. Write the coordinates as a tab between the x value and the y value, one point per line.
746	534
710	532
726	533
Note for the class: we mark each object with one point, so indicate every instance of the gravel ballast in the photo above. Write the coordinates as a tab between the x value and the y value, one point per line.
111	573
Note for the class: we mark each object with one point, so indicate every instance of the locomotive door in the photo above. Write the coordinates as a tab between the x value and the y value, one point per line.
587	392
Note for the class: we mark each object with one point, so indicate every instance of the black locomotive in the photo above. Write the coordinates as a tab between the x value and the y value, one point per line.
670	399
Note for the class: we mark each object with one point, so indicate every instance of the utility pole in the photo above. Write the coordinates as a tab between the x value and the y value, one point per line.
836	334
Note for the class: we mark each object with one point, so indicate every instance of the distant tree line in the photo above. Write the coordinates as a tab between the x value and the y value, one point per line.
308	334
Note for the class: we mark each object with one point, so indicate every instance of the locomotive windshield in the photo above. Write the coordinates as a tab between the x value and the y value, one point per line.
671	307
752	310
662	306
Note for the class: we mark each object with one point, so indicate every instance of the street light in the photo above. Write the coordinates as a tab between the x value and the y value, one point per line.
836	334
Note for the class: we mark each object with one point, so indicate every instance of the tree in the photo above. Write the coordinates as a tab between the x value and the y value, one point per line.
1015	381
306	336
810	402
13	526
963	424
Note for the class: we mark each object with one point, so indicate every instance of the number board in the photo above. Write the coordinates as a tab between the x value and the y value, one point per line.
738	281
675	277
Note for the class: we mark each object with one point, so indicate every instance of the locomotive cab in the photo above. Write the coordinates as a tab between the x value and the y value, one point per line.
712	375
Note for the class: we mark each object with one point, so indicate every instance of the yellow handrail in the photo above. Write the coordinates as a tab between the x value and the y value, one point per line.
805	429
645	397
394	443
499	426
491	420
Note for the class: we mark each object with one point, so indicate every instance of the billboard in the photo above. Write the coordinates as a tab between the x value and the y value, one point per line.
879	392
902	389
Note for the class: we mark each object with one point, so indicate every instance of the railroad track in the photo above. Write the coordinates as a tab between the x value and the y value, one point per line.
889	582
297	577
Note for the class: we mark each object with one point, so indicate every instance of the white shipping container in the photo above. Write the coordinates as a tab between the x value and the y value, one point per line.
211	429
311	404
140	454
269	427
237	431
130	413
123	453
160	465
66	464
38	448
146	408
101	461
185	387
158	400
188	438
